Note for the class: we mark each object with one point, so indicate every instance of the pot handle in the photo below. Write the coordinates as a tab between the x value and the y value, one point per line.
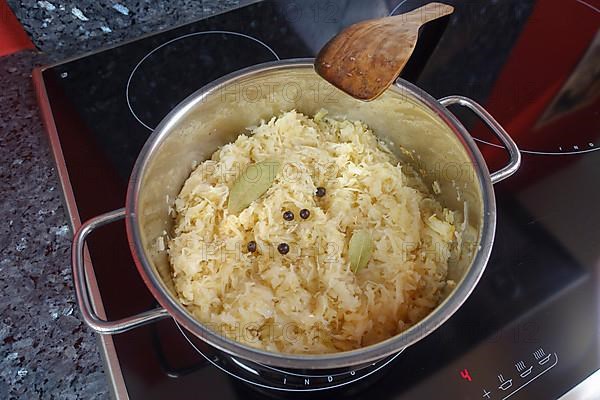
82	289
510	145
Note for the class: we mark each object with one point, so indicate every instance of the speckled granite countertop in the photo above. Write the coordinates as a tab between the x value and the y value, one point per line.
46	351
63	28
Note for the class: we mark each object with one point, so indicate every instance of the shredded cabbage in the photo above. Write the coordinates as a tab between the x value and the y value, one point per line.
309	300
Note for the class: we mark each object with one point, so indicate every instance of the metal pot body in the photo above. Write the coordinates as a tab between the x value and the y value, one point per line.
419	128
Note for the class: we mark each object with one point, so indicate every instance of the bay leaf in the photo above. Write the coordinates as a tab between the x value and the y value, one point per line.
360	249
252	183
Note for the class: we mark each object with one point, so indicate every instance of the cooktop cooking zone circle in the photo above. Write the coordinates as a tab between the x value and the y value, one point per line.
587	145
160	80
550	113
283	380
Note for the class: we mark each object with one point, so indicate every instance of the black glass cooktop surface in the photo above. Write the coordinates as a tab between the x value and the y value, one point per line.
530	328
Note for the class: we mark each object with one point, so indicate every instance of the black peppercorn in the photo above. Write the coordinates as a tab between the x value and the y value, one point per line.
304	213
288	216
251	246
321	191
283	248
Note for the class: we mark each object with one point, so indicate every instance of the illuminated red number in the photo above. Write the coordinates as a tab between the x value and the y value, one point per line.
466	375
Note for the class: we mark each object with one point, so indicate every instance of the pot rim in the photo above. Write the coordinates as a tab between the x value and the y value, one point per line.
311	361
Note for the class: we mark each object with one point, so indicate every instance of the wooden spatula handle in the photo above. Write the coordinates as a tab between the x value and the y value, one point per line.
364	59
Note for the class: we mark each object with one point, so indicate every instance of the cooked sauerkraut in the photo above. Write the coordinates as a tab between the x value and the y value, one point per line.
310	300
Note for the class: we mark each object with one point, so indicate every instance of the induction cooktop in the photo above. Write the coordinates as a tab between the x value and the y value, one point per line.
530	330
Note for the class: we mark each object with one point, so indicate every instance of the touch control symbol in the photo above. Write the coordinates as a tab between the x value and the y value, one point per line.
523	371
520	366
504	384
528	371
541	357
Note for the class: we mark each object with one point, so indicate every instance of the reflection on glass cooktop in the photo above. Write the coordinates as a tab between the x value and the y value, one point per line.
529	330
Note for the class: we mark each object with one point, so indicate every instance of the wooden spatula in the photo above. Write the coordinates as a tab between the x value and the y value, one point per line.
364	59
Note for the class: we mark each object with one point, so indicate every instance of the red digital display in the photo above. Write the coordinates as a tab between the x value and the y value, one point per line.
466	375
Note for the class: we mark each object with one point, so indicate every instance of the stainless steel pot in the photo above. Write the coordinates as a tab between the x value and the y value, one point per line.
438	146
